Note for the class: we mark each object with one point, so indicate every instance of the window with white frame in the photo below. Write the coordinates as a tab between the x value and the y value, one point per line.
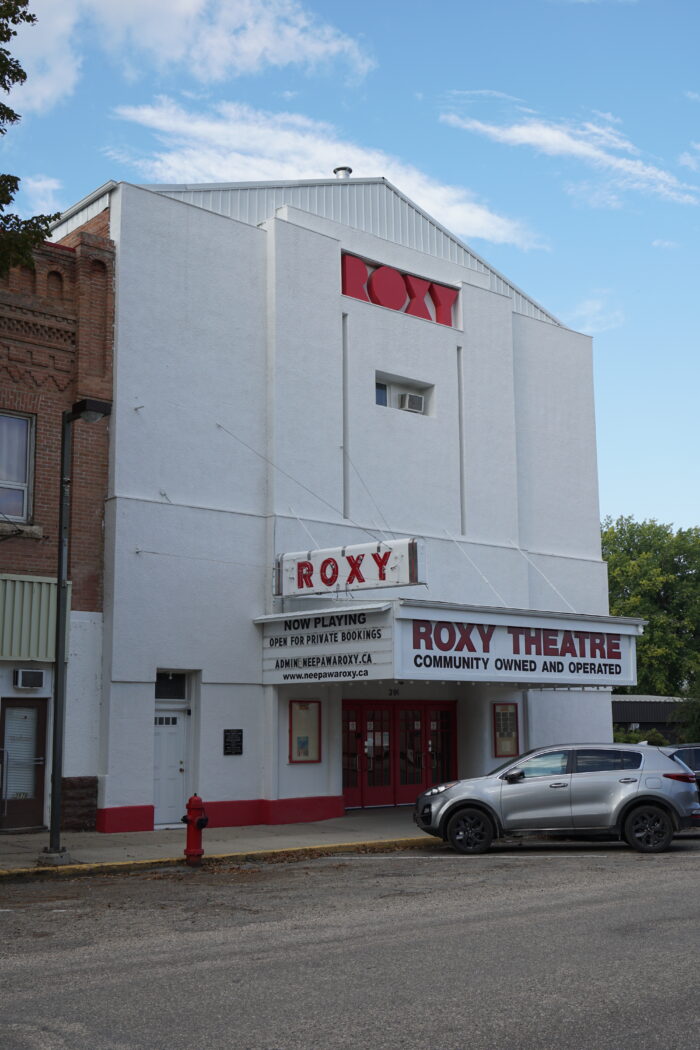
16	458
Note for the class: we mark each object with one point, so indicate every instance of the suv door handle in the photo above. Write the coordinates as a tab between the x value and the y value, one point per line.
628	780
562	784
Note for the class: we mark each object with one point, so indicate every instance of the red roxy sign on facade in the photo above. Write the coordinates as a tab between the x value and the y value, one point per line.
404	292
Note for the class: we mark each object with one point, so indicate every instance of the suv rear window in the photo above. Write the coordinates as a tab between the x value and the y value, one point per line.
689	755
600	760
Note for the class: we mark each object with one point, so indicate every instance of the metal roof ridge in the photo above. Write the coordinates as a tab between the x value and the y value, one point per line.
266	184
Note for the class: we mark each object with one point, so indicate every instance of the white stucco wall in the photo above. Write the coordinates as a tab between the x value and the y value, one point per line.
83	695
569	716
219	776
557	472
185	540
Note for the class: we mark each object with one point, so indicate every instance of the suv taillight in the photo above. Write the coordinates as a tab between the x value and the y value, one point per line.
687	778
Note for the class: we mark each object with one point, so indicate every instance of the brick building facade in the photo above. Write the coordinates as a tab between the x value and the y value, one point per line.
56	338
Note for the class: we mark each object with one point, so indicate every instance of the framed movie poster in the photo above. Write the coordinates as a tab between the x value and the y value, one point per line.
304	730
505	731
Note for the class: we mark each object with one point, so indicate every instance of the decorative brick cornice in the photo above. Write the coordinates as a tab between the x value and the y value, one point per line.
23	329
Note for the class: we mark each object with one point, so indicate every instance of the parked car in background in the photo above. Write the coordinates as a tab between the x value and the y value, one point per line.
641	794
690	754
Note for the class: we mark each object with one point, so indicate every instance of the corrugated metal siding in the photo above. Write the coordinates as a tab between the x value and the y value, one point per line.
643	711
372	205
27	618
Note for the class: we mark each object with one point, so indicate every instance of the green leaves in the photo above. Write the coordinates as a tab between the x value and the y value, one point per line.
18	237
654	573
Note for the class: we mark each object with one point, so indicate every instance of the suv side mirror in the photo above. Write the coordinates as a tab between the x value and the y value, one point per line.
514	775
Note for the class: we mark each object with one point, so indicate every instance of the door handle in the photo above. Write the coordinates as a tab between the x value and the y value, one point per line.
559	785
628	780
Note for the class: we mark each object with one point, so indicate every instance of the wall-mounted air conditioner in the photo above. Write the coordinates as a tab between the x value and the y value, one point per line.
412	402
25	678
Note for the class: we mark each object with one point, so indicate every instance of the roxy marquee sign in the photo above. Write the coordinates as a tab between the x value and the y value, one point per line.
389	642
397	563
575	654
404	292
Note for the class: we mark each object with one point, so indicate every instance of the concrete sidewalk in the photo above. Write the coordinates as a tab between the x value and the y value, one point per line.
384	828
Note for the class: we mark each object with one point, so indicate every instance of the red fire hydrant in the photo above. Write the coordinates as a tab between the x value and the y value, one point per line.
195	818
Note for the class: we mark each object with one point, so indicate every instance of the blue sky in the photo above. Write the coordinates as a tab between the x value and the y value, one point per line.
559	138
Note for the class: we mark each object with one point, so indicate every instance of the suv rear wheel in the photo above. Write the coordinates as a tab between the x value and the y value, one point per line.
470	831
648	829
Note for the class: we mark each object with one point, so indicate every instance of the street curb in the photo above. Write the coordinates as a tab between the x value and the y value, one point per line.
289	853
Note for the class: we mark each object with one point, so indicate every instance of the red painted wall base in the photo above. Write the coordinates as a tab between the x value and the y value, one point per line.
125	818
231	814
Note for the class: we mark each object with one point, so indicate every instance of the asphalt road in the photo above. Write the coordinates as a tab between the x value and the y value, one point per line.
526	948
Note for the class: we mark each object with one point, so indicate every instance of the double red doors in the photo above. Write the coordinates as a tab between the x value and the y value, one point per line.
393	751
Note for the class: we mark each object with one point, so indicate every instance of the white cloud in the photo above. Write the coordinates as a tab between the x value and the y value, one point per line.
594	195
593	145
605	136
691	160
235	143
211	40
49	55
664	244
610	117
39	195
479	93
217	38
595	315
693	96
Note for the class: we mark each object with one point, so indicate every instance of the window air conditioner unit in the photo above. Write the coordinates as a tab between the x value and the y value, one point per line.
27	679
412	402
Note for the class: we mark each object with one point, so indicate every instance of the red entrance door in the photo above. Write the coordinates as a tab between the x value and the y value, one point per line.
393	751
367	754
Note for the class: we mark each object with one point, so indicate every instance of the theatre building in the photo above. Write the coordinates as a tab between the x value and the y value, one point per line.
351	528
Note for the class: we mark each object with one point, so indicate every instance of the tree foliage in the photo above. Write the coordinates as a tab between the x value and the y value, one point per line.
654	573
636	736
687	715
18	237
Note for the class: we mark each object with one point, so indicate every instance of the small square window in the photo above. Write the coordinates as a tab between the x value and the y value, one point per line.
171	685
392	391
16	455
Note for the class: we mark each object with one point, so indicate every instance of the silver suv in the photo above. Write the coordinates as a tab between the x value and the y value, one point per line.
634	792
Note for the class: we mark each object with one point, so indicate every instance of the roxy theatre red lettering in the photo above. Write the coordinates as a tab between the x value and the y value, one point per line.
394	290
448	636
344	570
536	641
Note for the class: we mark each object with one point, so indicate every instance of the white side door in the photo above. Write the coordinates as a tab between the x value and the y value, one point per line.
169	766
